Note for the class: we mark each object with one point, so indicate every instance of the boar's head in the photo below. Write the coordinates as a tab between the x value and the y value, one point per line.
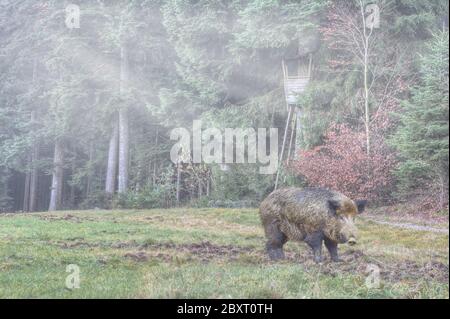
345	212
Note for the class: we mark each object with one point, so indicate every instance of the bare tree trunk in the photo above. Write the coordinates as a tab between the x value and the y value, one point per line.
178	182
443	181
123	123
366	102
4	188
29	197
154	164
150	174
111	172
57	178
154	175
200	188
72	196
139	174
34	178
123	151
89	176
366	80
26	193
208	186
34	173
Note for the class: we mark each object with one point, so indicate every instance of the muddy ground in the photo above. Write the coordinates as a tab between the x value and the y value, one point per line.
354	261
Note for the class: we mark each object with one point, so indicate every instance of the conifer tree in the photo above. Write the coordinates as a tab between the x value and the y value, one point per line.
422	138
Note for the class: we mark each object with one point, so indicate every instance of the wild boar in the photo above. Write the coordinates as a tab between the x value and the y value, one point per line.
312	215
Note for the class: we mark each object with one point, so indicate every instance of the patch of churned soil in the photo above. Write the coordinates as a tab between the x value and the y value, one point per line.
353	261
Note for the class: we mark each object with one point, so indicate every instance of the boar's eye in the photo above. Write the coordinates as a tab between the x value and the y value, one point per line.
333	206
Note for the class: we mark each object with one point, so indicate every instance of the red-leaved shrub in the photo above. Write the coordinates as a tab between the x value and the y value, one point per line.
343	164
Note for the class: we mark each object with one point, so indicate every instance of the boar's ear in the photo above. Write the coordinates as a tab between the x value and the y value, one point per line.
334	205
361	204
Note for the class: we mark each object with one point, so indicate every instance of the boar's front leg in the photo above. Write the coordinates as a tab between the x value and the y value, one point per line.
275	242
332	247
314	241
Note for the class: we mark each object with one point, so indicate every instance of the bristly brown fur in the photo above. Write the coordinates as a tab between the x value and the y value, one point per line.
296	214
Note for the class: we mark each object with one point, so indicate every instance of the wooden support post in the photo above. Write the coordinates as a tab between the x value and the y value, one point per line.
288	159
280	161
294	121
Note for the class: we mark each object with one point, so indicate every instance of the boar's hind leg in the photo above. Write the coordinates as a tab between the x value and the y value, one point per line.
314	241
275	242
332	249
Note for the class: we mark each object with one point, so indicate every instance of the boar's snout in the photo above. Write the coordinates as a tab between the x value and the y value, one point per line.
346	239
348	231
